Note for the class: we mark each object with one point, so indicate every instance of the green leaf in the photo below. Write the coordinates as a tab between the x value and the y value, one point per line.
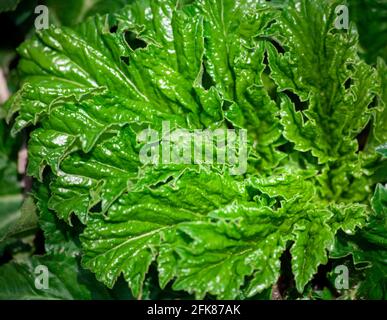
10	213
9	184
59	238
369	16
323	69
25	221
378	135
137	223
382	150
309	250
287	185
70	12
8	5
369	249
66	281
223	253
10	191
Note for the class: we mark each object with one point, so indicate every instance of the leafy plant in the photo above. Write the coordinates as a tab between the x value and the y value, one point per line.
314	112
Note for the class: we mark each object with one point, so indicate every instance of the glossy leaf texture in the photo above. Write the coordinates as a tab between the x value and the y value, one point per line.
88	92
335	87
